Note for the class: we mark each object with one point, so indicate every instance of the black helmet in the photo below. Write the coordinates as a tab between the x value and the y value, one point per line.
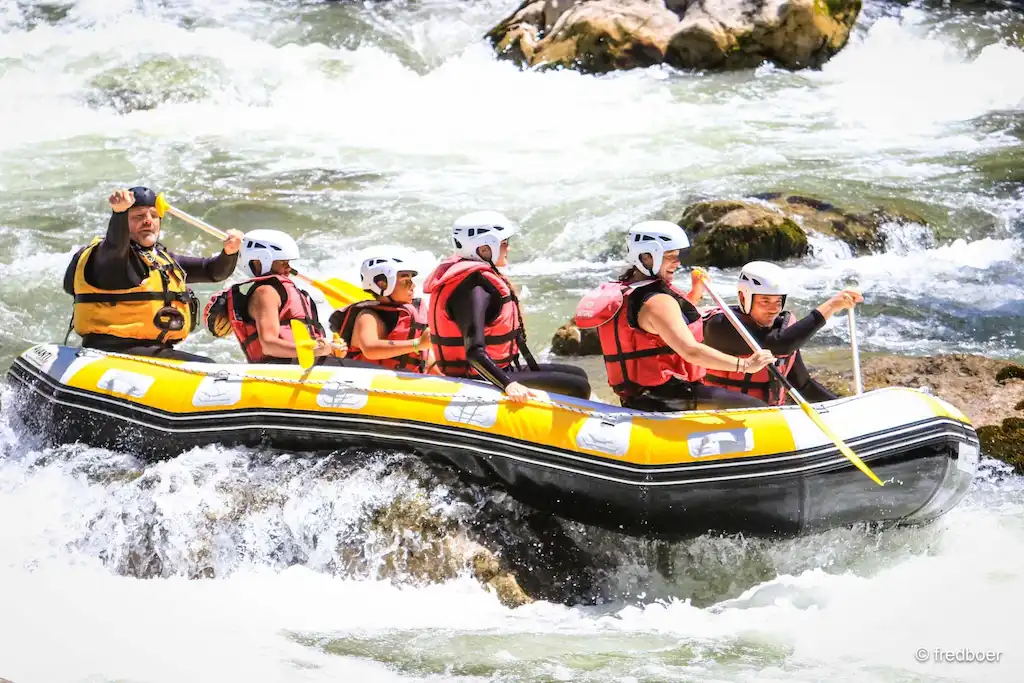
143	196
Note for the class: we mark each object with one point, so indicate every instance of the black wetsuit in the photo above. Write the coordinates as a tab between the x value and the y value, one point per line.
471	306
779	339
113	264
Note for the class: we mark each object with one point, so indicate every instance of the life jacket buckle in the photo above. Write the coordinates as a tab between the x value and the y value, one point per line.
169	319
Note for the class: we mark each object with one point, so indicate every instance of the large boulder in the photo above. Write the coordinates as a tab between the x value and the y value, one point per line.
597	36
728	234
775	227
863	231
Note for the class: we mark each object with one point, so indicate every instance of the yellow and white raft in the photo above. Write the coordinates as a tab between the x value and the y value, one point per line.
767	471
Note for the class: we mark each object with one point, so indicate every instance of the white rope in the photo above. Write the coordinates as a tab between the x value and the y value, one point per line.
222	374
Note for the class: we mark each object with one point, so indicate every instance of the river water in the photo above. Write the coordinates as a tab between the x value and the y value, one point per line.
361	127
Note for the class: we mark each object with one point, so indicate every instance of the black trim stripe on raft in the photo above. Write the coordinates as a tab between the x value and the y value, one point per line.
833	465
957	434
607	459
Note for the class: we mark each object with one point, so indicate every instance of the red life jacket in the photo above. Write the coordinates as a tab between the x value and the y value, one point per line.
501	335
412	321
761	384
635	359
295	305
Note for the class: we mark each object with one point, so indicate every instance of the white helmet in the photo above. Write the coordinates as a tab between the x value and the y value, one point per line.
654	238
761	277
481	229
376	266
267	246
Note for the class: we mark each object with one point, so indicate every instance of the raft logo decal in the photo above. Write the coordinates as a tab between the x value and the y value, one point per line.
346	389
720	442
475	405
218	390
42	356
967	457
609	434
130	384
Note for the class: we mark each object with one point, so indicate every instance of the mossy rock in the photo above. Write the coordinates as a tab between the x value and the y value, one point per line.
728	234
487	570
861	230
1010	372
1004	442
570	340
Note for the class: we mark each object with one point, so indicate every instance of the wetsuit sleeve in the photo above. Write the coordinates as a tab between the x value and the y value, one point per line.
811	390
112	264
719	334
213	269
782	341
468	307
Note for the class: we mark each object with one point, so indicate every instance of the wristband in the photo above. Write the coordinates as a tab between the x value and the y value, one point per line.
416	344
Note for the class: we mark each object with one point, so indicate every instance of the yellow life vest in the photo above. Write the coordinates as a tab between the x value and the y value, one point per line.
161	309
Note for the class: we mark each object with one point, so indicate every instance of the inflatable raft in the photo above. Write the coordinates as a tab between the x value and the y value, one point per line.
767	471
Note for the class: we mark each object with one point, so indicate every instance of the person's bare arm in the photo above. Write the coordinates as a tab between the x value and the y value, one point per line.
660	315
265	307
367	336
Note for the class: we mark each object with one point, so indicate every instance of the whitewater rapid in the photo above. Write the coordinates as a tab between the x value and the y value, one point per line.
361	127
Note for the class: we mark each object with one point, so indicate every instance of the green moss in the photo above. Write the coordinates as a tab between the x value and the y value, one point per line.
1010	372
1004	442
840	10
733	246
835	8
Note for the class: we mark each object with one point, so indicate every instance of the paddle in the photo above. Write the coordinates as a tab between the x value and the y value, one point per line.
858	386
304	344
807	408
339	293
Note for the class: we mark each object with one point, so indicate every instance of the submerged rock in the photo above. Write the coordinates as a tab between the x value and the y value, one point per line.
597	36
150	83
487	570
419	544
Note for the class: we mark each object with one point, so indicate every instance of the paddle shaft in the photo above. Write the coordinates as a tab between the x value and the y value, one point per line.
220	234
808	409
752	343
198	222
858	386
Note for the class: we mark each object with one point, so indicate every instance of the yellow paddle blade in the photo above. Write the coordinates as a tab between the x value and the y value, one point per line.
346	291
161	205
843	448
338	292
304	344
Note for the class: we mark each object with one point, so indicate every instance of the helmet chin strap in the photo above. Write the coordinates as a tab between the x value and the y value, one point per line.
649	272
